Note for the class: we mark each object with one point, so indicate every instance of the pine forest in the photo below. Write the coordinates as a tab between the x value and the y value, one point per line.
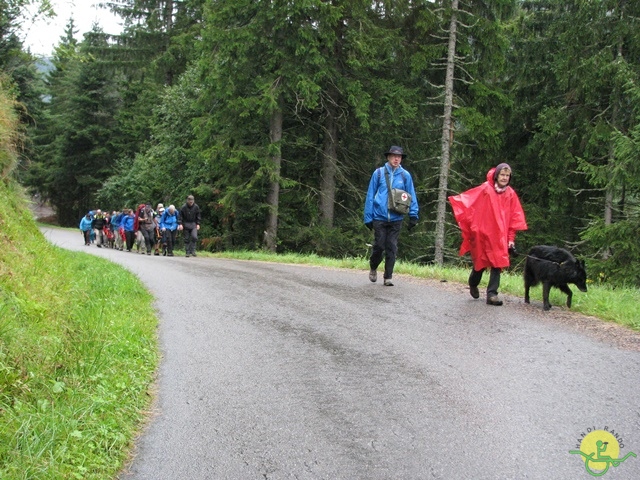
275	113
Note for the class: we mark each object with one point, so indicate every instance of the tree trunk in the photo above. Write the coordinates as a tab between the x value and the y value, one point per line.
273	197
168	25
330	143
447	138
329	167
610	187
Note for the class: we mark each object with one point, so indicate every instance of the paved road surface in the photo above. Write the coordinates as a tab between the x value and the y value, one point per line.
291	372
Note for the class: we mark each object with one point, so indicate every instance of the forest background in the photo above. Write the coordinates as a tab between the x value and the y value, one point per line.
275	113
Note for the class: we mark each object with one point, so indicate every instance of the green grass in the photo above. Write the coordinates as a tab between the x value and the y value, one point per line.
615	304
78	352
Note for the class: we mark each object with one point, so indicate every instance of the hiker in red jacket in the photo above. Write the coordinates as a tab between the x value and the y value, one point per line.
489	216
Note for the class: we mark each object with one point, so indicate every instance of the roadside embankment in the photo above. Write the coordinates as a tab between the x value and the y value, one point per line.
78	350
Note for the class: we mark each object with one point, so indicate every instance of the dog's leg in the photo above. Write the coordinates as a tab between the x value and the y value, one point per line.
565	288
527	283
546	287
526	291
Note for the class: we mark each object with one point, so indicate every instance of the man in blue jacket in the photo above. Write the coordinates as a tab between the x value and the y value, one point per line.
386	223
128	225
116	220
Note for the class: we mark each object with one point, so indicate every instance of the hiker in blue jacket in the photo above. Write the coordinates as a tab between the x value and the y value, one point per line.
385	223
116	225
85	228
169	229
128	225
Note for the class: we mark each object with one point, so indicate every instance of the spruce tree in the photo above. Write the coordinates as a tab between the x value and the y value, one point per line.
80	156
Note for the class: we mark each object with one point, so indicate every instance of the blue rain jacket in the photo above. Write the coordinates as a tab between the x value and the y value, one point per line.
168	221
85	224
376	206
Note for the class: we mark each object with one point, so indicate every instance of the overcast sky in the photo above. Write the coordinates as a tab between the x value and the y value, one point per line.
43	35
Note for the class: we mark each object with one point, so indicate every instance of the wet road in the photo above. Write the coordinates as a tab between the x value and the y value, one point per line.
290	372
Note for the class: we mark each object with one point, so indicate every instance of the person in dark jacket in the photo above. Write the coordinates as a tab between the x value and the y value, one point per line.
98	224
147	226
385	223
189	223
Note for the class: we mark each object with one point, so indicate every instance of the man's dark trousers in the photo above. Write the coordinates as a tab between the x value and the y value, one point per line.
190	231
385	245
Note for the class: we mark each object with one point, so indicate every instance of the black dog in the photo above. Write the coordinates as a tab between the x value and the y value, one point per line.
553	267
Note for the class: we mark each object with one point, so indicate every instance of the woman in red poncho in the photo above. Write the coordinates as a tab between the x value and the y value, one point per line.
489	216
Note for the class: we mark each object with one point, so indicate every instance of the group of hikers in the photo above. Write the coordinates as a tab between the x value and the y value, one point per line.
151	230
489	216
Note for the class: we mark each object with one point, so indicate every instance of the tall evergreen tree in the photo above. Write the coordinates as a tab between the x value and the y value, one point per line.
83	104
168	168
327	75
572	62
20	67
447	135
158	37
150	54
471	47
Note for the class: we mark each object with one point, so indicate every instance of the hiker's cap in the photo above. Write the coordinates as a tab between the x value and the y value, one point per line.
395	150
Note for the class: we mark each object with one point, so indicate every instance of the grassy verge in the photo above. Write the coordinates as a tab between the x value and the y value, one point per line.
78	351
619	305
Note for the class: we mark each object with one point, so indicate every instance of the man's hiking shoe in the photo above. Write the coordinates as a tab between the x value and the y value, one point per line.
373	275
193	254
494	301
388	282
475	293
187	255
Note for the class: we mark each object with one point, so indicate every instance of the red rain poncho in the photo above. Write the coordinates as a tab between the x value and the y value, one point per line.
489	221
136	222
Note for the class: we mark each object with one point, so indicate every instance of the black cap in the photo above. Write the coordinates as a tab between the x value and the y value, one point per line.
395	150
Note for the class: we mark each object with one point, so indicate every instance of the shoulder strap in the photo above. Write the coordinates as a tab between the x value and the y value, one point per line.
386	176
379	170
390	202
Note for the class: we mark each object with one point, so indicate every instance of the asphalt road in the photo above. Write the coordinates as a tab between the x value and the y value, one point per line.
276	371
